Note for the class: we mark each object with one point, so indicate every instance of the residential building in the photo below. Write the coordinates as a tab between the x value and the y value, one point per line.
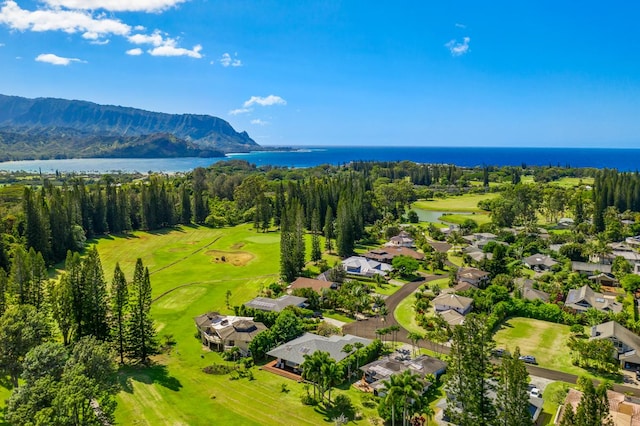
474	276
316	285
526	289
625	342
290	355
446	301
590	268
403	239
585	297
376	372
223	332
623	410
358	265
386	254
452	317
276	305
539	262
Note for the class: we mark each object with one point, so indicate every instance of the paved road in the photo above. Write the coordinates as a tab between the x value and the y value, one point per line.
367	328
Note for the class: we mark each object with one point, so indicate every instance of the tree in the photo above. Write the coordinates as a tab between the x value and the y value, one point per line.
332	375
119	303
62	307
199	187
95	297
621	267
3	291
328	229
415	338
312	370
467	384
631	283
512	400
405	266
593	408
403	396
21	329
141	333
185	203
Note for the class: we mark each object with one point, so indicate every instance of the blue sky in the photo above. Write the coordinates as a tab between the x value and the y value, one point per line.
530	73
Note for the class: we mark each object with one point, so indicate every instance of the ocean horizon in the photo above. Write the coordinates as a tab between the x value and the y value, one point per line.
623	159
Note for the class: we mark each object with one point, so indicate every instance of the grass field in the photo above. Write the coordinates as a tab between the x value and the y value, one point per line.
458	219
462	203
191	270
405	314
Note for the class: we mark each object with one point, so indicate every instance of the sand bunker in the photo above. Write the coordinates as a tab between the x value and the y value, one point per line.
235	258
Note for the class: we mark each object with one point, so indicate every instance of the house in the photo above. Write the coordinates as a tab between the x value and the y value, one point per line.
403	239
316	285
590	268
623	410
222	332
633	241
584	298
291	354
376	372
604	279
539	262
447	301
476	253
474	276
386	254
625	342
528	292
463	286
357	265
452	317
276	305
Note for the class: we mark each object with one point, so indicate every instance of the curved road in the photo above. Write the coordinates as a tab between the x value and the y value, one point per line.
367	328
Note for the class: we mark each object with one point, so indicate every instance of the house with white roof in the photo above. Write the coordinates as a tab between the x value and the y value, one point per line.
358	265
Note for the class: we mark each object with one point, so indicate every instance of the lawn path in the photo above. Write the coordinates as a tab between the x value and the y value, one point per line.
162	268
171	290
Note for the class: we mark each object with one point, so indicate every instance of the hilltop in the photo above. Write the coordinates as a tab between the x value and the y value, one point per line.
60	128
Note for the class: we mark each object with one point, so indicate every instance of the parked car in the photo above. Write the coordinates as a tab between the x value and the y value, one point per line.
535	393
499	352
528	359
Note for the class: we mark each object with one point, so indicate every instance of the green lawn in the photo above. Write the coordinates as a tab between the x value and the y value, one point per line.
462	203
406	316
191	270
480	219
546	341
553	395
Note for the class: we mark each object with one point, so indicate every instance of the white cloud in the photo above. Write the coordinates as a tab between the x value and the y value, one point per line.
116	5
68	21
259	122
100	42
458	49
240	111
266	101
155	39
95	28
461	26
1	44
50	58
170	49
226	60
134	52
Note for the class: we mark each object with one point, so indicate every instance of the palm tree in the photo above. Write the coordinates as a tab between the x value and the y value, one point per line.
403	391
312	370
358	346
415	338
332	375
348	349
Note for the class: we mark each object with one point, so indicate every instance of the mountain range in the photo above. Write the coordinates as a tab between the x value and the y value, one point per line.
45	128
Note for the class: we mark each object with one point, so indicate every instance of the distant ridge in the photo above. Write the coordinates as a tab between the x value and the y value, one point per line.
60	128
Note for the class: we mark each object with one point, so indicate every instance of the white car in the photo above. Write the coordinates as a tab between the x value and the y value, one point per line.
535	393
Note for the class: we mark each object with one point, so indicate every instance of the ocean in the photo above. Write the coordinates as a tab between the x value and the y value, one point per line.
621	159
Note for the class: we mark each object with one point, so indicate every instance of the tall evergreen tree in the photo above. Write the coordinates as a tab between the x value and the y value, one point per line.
62	307
328	229
119	303
512	400
199	187
467	386
3	291
185	203
96	298
141	333
345	232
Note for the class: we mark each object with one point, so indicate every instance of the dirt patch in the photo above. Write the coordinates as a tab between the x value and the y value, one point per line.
237	246
235	258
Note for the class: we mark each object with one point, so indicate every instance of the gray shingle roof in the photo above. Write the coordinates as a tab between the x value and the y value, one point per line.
309	343
275	305
584	297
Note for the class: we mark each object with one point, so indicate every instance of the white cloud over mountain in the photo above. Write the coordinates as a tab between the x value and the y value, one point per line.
265	101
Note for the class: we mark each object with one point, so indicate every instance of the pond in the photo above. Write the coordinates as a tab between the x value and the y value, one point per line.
433	215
